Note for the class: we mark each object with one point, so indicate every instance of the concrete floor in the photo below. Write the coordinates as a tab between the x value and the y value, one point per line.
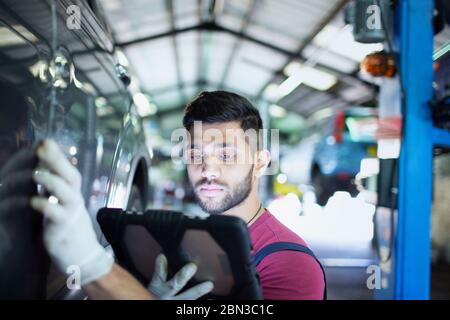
345	268
342	241
347	283
340	236
440	281
346	255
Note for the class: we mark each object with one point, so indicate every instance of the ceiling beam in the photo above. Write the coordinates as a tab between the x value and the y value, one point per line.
213	27
201	72
246	21
170	10
207	26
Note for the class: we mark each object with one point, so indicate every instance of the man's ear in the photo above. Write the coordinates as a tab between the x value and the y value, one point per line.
262	160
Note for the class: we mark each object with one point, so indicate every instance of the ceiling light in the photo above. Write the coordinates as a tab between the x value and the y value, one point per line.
281	178
291	68
271	92
143	105
310	76
329	59
342	42
19	36
276	111
122	58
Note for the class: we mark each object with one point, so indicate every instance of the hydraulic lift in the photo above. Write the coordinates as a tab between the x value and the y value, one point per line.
407	275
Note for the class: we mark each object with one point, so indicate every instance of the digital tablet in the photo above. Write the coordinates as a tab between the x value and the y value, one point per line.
219	245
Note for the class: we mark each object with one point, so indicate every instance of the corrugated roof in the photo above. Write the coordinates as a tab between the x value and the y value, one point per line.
178	48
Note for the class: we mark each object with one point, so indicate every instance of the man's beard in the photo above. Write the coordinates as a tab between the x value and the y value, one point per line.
232	199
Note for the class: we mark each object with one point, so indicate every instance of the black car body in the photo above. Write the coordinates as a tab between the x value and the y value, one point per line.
59	80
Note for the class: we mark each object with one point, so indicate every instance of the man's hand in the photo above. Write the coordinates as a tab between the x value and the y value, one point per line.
164	289
68	232
70	238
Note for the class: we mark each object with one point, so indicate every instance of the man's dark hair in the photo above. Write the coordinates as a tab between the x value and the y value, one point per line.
222	106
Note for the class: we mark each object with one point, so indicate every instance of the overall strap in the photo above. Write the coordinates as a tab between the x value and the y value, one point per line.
290	246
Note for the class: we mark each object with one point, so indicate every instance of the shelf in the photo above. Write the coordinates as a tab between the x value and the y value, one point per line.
441	137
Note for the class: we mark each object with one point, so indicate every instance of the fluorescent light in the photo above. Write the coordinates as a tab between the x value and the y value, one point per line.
122	59
342	42
318	79
112	5
321	114
292	68
276	111
310	76
11	38
290	84
143	105
271	92
441	51
327	35
330	59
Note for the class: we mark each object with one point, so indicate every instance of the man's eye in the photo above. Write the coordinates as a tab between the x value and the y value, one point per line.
226	156
196	156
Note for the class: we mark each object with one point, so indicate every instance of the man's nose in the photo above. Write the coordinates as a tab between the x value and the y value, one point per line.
210	170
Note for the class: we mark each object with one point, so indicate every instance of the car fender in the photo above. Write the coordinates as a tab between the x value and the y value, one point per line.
127	157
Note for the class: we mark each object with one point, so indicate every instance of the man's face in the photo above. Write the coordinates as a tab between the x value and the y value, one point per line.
220	165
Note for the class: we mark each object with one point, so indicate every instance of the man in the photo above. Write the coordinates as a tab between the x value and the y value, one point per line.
224	169
224	166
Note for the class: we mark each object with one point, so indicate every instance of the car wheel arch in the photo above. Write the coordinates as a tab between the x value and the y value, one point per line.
141	178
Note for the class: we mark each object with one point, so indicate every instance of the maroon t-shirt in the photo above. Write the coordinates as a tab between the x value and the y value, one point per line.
285	275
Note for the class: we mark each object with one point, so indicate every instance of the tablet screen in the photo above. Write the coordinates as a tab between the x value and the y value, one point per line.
211	260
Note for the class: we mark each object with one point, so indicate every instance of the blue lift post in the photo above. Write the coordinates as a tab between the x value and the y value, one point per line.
414	37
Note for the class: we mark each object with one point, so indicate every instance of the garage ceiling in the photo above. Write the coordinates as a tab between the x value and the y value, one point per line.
181	47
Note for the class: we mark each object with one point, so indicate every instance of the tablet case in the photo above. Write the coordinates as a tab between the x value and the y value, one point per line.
220	246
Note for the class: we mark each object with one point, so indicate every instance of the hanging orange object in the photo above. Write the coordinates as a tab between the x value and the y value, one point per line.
379	64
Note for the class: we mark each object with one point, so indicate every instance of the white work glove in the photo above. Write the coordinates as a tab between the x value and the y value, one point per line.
68	231
164	289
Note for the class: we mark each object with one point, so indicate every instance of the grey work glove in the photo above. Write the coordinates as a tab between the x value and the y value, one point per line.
164	289
16	183
16	188
23	262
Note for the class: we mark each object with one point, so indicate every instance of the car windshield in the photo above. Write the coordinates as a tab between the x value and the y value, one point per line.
361	128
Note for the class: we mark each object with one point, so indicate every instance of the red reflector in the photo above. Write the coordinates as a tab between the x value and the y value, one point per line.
343	176
339	126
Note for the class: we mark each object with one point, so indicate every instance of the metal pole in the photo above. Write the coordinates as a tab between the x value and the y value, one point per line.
414	36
